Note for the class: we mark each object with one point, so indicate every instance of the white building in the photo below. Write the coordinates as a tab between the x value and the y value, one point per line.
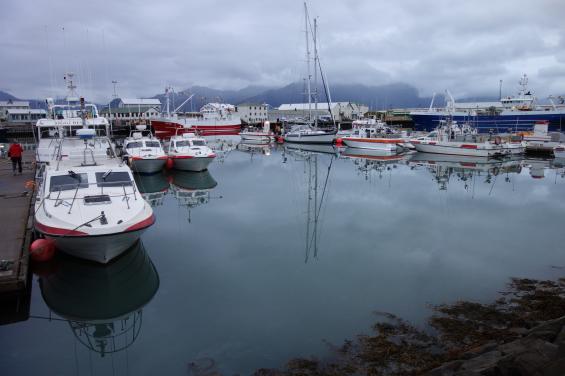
252	113
12	105
126	114
24	116
341	111
139	102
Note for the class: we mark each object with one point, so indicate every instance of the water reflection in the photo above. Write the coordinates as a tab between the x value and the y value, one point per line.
102	303
373	161
317	187
192	189
254	148
468	170
152	187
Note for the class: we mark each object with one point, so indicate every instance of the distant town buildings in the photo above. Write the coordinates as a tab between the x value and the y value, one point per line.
132	110
252	113
19	113
341	111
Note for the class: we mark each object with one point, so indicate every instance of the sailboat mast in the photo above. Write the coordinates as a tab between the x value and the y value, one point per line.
315	74
308	62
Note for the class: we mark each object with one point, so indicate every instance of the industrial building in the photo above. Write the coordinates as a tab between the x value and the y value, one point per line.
341	111
252	113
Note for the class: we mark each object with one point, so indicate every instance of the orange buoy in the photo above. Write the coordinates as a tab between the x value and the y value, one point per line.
169	164
42	250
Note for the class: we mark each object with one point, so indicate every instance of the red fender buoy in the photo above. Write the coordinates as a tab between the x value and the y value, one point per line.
169	164
338	142
42	250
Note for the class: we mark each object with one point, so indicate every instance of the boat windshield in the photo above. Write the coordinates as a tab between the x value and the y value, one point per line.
198	143
113	179
180	144
68	182
152	144
135	144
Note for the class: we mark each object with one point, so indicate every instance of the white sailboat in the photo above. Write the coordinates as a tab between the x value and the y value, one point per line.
306	133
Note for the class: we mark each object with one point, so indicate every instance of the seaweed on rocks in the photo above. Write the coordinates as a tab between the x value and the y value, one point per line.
461	330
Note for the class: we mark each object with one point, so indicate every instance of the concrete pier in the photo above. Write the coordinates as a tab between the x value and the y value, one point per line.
15	225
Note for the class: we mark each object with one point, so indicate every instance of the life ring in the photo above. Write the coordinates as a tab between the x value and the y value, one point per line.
497	140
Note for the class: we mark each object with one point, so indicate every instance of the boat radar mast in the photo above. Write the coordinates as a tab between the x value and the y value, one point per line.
71	87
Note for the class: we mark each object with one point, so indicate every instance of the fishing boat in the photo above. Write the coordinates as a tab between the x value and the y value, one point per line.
264	135
509	114
559	151
90	210
190	152
143	152
309	132
541	140
375	138
454	139
57	133
212	119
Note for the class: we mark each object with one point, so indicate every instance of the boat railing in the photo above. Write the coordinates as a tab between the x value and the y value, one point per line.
81	187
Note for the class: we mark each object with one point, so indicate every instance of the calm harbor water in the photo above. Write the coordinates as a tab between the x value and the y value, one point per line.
274	253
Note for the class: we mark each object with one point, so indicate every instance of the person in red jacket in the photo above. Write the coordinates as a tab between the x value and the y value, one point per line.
15	153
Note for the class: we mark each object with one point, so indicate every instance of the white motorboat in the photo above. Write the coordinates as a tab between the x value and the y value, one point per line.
190	153
375	138
264	135
92	211
144	153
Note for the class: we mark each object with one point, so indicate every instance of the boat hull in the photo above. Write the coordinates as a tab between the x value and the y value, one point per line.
147	166
383	144
324	138
166	129
195	164
98	248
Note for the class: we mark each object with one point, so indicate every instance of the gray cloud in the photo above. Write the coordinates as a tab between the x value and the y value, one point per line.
466	47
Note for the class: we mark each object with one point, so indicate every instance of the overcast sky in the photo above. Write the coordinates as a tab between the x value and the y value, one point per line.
463	46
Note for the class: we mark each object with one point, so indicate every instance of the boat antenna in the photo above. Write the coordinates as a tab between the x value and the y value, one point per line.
500	90
308	62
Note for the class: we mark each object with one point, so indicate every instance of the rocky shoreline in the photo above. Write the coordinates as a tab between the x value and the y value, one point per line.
521	333
540	351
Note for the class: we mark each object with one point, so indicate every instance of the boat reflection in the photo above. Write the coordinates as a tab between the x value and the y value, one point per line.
254	148
152	187
311	148
192	189
465	169
102	303
368	161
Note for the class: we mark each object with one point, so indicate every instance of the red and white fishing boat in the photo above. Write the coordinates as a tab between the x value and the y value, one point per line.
144	153
213	119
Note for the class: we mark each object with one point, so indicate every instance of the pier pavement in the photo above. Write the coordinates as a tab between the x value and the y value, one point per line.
15	199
